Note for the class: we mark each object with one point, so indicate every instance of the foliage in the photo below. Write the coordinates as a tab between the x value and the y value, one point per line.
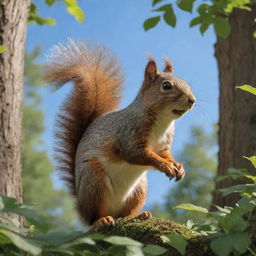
229	224
199	160
210	12
176	241
15	240
36	164
72	8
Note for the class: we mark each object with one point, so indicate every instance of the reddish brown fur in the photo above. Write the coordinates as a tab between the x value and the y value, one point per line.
97	85
93	204
143	155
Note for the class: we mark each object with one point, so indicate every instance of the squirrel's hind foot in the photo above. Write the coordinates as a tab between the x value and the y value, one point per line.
145	215
104	222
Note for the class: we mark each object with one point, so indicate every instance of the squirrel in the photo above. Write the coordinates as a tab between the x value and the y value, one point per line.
104	153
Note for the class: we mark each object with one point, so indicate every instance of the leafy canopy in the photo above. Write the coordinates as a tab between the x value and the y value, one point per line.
72	8
210	12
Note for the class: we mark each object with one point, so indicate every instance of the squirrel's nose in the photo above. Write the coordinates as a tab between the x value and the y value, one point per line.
191	100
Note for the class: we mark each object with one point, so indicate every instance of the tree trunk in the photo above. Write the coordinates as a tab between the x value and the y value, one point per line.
236	57
13	27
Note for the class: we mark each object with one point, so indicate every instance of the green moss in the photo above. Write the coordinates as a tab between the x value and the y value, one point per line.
149	232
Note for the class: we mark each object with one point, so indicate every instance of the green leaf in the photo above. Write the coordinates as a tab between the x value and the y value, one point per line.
7	203
222	27
241	188
232	222
163	8
170	18
176	241
154	250
2	48
77	12
133	251
4	240
186	5
117	250
195	21
78	241
122	240
204	27
248	88
154	2
252	159
247	203
151	22
71	3
222	246
202	9
241	241
191	207
254	34
50	2
22	243
235	174
50	21
58	238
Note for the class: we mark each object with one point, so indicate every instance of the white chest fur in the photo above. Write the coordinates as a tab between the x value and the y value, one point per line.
163	125
122	178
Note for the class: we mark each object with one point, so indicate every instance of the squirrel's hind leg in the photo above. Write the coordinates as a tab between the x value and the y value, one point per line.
91	196
135	202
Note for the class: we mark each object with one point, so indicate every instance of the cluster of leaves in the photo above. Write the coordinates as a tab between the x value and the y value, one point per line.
215	12
228	226
72	8
33	240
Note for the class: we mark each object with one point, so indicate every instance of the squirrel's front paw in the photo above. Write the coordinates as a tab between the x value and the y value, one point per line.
179	170
169	169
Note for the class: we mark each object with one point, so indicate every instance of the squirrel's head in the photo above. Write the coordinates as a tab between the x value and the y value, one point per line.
163	90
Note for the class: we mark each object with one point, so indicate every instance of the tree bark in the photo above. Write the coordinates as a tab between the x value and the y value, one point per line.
236	57
13	27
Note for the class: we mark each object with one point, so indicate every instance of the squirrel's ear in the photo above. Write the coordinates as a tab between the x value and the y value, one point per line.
169	68
151	69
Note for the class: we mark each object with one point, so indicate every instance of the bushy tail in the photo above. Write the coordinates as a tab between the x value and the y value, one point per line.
97	85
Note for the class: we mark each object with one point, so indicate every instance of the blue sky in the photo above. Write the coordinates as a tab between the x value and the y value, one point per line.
118	25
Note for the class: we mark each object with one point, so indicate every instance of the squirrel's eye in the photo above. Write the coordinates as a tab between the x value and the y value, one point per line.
167	86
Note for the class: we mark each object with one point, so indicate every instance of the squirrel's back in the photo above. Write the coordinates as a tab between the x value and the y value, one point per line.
97	80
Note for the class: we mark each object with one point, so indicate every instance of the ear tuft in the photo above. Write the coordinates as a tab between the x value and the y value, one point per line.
151	69
169	68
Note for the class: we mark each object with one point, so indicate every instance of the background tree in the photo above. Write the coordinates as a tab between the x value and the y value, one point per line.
36	165
199	159
14	16
234	24
13	27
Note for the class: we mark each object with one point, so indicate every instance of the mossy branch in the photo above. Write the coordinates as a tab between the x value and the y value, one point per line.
150	231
